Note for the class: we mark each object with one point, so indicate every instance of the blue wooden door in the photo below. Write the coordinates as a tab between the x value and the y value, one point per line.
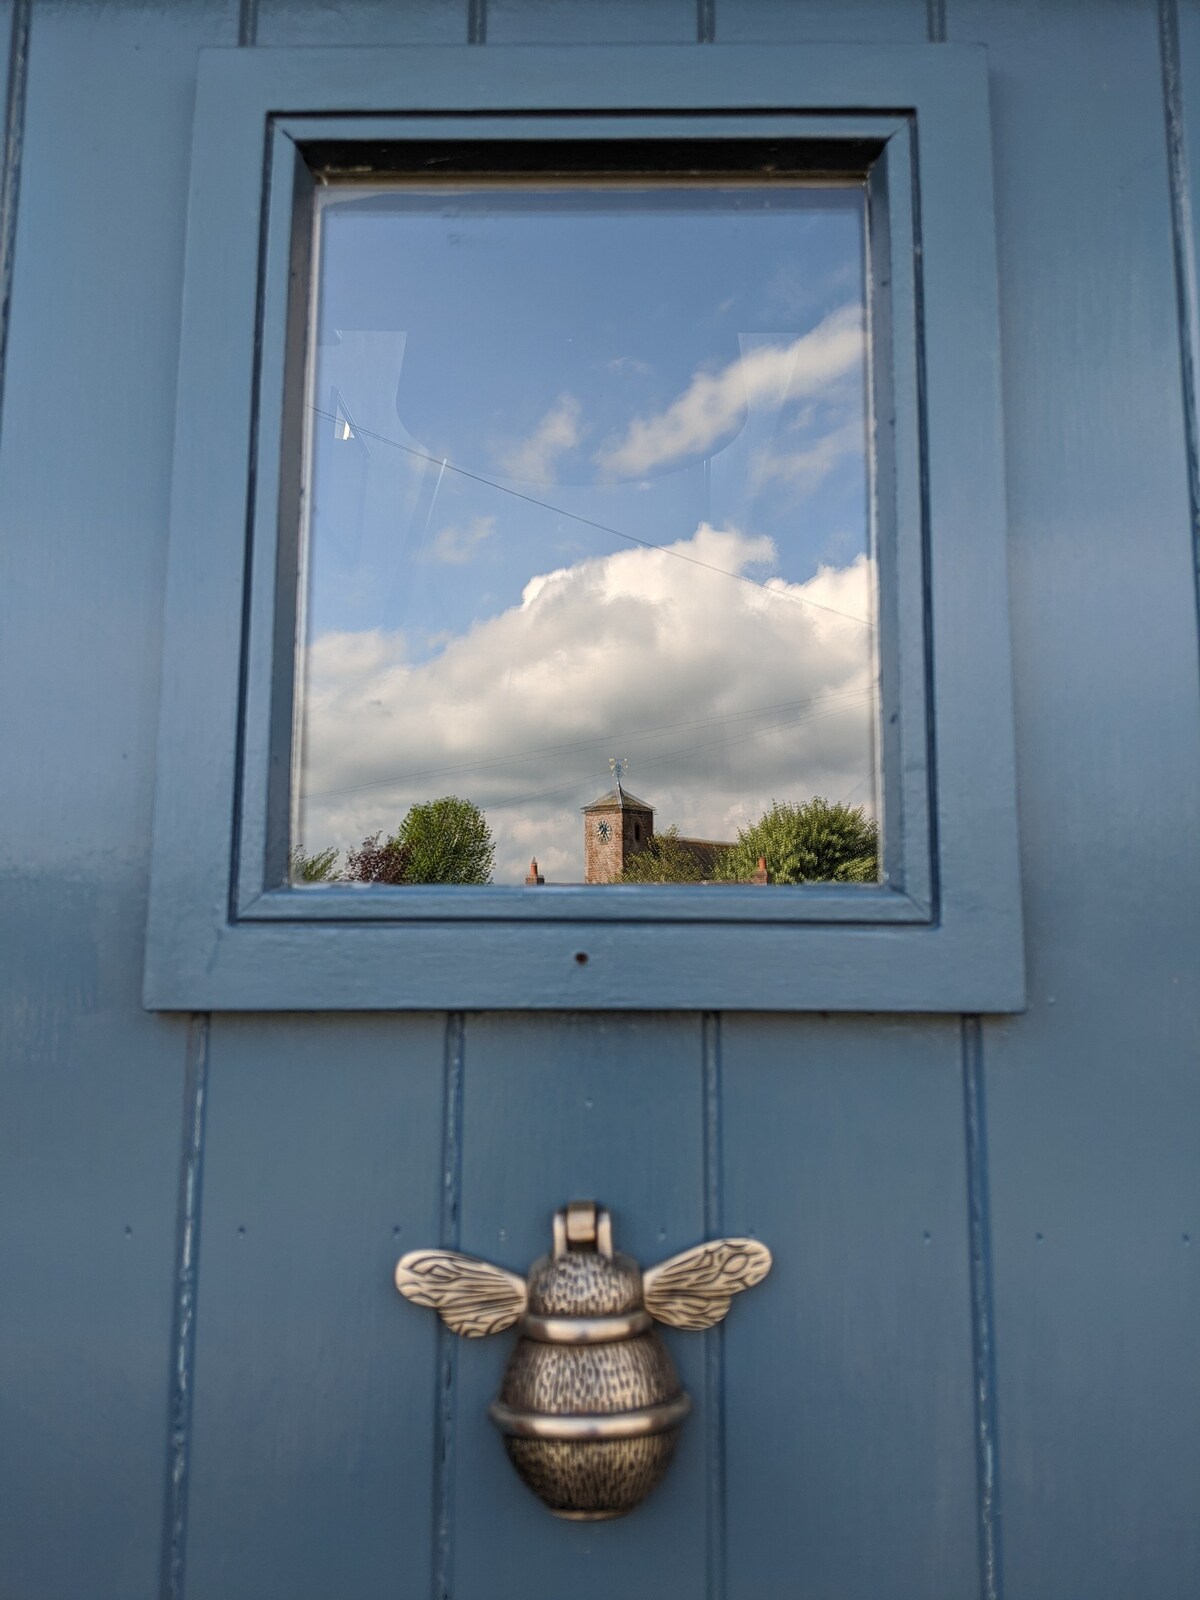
972	1368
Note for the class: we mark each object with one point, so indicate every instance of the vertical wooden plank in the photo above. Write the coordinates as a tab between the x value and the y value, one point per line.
16	17
716	1463
558	1108
378	22
450	1236
1093	1096
793	21
983	1312
591	21
1179	34
312	1432
848	1382
183	1330
90	1087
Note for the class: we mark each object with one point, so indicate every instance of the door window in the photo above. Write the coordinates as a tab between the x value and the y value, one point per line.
587	572
589	580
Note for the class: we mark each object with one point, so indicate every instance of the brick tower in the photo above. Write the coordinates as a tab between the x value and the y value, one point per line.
615	827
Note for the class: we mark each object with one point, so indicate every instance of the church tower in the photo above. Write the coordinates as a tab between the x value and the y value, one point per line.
615	828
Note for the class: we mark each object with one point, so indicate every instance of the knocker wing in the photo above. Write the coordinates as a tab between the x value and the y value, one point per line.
693	1290
472	1297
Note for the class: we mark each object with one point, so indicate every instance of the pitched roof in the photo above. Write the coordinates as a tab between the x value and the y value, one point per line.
707	852
618	799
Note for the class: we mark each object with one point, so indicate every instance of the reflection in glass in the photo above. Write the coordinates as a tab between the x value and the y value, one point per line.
588	522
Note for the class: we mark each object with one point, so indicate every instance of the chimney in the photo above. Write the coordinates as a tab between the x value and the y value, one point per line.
760	873
533	875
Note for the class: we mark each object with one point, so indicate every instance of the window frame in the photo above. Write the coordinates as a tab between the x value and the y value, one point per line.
942	932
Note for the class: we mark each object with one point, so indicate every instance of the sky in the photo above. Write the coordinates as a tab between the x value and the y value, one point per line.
587	479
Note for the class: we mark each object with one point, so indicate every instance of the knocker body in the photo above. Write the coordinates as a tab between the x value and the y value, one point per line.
590	1404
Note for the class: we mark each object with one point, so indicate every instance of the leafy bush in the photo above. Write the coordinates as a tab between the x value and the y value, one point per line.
373	862
315	868
439	841
664	858
808	842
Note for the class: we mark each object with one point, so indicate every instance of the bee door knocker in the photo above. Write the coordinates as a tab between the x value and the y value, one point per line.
590	1405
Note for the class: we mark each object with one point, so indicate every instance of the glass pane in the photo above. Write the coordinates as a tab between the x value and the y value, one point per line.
588	574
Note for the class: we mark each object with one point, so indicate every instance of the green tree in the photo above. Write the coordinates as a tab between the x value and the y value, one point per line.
315	868
446	841
808	842
664	858
439	841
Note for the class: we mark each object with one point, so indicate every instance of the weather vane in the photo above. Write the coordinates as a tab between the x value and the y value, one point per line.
618	766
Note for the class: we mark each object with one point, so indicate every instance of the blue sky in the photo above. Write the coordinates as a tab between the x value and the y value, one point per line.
495	374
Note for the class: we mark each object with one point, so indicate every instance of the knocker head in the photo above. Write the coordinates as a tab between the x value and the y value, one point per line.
590	1405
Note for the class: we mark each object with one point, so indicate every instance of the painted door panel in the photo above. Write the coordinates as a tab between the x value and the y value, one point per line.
785	21
1093	1096
591	22
90	1086
850	1432
972	1370
283	22
554	1108
312	1431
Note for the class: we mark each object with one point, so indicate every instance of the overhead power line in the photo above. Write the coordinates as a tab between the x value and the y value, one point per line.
602	527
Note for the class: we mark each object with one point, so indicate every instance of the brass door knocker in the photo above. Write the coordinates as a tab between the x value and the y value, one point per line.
590	1405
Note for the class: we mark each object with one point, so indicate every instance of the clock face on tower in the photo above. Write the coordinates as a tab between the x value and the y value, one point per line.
603	829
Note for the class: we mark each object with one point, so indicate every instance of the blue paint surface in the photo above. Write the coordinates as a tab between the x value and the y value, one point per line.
973	1368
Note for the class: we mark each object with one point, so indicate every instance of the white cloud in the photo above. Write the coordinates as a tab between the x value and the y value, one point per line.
725	695
533	459
807	467
714	402
454	546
